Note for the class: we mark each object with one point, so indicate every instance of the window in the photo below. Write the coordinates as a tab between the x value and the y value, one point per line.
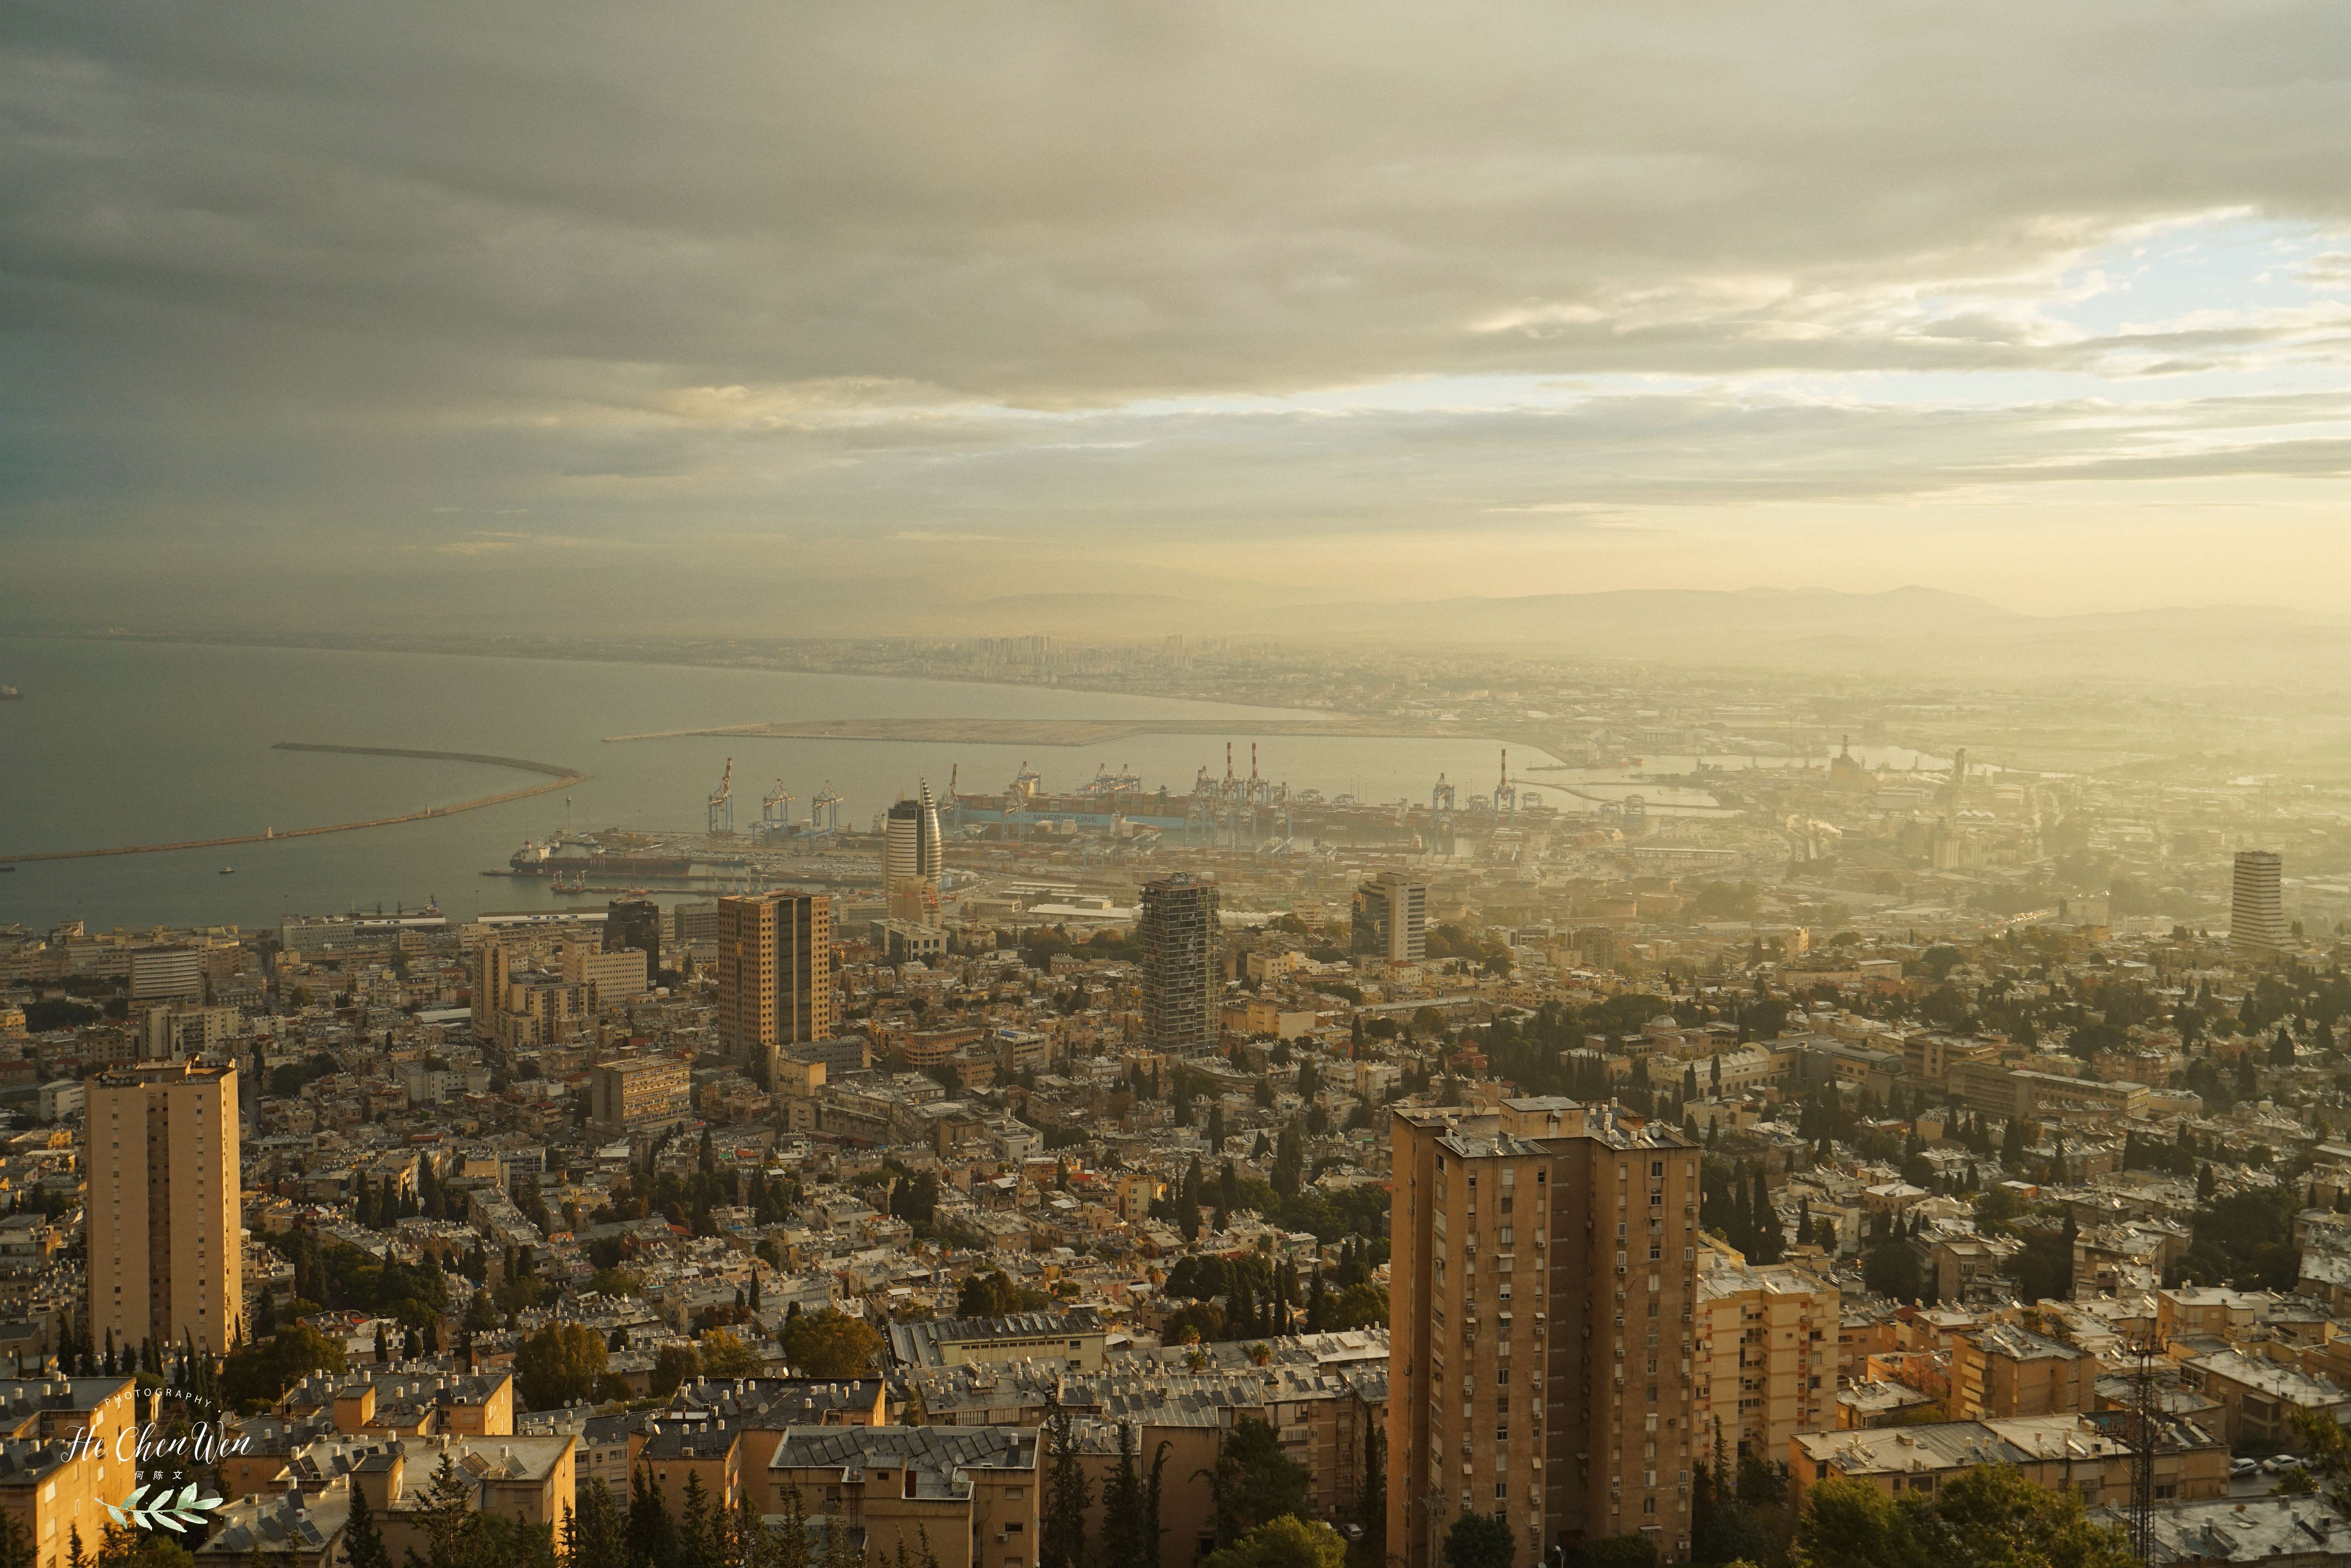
1501	1490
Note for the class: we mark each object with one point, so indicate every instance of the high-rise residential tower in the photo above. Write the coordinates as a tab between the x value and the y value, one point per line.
493	967
775	973
1541	1296
1177	933
163	1206
911	859
2256	902
1391	919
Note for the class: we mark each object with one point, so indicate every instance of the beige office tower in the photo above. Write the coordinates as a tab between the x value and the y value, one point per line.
775	973
163	1206
2256	902
1542	1292
1390	919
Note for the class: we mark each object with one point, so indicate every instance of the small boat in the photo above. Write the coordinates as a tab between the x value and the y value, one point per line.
228	870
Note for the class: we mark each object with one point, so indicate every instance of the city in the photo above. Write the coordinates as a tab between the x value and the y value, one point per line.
1204	786
1985	1117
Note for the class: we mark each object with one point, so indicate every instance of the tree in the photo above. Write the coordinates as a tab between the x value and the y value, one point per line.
1371	1550
675	1364
1891	1269
1153	1488
447	1516
652	1537
1121	1541
1993	1516
698	1528
118	1548
362	1543
1253	1480
1721	1528
1288	1542
831	1343
725	1355
594	1535
995	1295
1363	1306
1986	1518
1480	1541
254	1375
1617	1552
560	1363
1062	1517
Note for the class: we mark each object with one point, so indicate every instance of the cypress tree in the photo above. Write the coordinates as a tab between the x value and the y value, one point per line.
1121	1541
1152	1529
651	1538
1061	1525
364	1543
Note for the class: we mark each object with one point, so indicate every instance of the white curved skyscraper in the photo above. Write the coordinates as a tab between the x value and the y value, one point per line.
911	859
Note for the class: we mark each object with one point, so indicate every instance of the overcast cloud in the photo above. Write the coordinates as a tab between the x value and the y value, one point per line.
2047	303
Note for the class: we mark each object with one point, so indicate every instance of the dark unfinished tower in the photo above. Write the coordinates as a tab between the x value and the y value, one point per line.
1542	1291
634	923
1178	934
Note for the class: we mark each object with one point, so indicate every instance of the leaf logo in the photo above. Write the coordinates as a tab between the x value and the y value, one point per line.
163	1511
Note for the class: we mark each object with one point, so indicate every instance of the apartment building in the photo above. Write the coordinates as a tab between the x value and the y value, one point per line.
2005	1370
1559	1392
1073	1339
2259	1398
162	1206
51	1492
970	1492
526	1480
2063	1453
643	1091
1767	1353
426	1404
614	975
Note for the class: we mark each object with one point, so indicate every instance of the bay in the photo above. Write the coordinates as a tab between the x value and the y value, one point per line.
127	742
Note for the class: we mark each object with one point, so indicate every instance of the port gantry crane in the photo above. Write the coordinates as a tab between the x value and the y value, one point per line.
776	811
825	804
719	811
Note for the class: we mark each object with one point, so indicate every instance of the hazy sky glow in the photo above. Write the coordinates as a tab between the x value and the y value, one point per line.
2047	304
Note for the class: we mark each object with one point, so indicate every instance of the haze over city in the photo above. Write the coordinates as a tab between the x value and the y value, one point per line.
1208	785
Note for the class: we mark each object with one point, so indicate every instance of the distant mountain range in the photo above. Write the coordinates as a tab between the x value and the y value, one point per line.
1909	630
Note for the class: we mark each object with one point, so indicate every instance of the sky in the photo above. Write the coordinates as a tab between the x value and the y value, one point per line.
315	310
